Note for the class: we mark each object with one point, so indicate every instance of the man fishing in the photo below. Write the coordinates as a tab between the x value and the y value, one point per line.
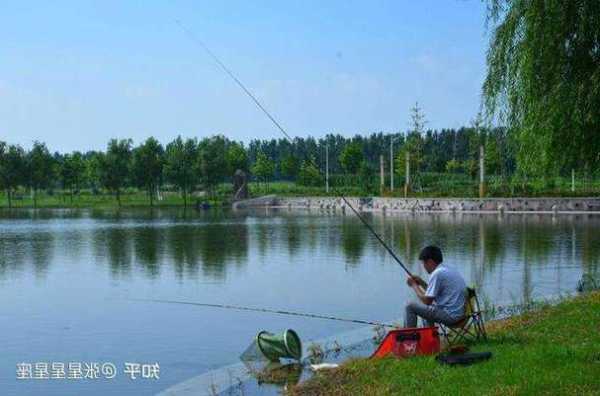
443	300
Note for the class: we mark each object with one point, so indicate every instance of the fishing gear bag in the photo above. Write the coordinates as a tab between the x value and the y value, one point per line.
403	343
463	359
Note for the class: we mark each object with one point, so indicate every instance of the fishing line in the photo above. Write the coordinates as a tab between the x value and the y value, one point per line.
265	310
200	43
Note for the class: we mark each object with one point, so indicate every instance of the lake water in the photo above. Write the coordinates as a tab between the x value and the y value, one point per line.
68	280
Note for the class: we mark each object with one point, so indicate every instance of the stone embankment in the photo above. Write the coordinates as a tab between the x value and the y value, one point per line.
378	204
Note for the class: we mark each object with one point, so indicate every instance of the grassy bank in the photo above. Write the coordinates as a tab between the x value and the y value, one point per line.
103	201
555	350
440	185
432	186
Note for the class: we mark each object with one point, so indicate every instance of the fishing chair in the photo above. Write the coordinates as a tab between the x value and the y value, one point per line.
469	329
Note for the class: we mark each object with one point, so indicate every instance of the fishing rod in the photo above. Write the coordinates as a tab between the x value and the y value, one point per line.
200	43
265	310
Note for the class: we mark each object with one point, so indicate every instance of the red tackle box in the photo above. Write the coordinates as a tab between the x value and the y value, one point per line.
409	342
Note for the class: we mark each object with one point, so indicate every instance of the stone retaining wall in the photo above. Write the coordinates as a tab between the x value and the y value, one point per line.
378	204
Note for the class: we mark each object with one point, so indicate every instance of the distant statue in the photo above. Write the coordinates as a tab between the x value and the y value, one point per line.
240	185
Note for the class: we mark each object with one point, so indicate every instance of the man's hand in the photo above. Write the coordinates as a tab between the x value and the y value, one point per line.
419	285
416	280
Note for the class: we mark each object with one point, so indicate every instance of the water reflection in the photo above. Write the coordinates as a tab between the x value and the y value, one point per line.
352	241
206	245
148	243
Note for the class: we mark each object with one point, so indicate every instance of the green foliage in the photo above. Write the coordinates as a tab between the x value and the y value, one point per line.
212	161
147	166
471	166
309	175
237	158
13	169
92	170
414	145
180	165
541	352
289	167
417	119
72	171
367	176
493	156
351	158
543	80
40	168
114	166
453	166
264	168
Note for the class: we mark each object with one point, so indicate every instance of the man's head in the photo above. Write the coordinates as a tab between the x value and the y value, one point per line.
431	256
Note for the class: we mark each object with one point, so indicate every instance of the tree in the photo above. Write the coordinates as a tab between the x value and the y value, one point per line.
493	158
543	81
264	168
417	119
92	161
414	146
289	167
351	158
309	175
453	166
72	170
13	168
115	166
40	169
236	158
212	161
181	165
476	136
367	177
148	162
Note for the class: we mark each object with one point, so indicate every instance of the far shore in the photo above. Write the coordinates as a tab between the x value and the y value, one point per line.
373	204
394	205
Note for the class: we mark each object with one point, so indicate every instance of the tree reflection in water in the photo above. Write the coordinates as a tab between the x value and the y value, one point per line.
194	245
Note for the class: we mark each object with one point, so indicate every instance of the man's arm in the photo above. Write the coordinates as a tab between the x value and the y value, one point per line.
413	283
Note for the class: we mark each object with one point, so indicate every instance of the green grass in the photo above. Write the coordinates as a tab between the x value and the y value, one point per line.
104	200
552	351
441	185
432	185
291	189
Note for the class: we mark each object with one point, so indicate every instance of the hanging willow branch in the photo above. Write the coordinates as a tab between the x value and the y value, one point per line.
543	80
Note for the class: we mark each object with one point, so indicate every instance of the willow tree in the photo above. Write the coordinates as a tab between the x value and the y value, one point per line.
543	80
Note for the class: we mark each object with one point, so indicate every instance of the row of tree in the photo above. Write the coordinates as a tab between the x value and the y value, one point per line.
183	163
188	163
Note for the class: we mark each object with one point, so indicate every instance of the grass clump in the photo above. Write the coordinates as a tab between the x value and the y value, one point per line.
554	350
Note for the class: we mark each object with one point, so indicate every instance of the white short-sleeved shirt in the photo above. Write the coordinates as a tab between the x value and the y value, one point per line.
447	288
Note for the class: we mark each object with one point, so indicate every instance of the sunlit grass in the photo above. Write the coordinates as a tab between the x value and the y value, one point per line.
554	350
103	200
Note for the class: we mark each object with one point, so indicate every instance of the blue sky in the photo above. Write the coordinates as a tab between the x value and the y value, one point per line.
76	73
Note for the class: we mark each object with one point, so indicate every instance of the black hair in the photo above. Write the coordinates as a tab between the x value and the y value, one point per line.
431	252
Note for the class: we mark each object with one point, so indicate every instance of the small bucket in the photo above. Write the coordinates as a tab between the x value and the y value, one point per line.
277	346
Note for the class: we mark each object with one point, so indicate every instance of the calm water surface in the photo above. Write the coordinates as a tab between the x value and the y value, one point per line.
67	280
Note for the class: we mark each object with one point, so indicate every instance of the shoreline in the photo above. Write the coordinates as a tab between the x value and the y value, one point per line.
449	205
529	356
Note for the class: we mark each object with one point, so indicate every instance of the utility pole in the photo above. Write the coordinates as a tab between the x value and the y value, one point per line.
572	179
327	168
381	175
407	182
392	163
481	171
